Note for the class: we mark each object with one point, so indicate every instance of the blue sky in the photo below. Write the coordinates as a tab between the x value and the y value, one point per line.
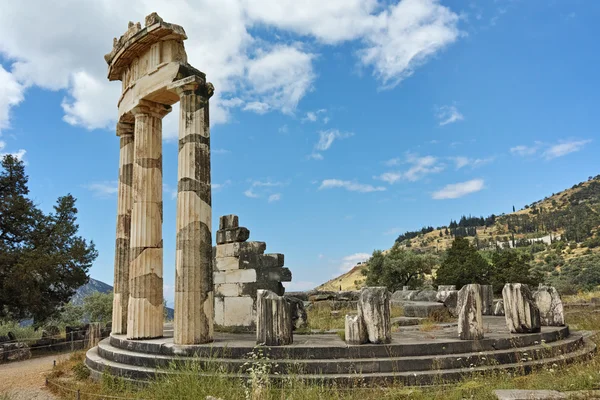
336	125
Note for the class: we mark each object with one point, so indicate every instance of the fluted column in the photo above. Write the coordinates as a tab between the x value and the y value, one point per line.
145	312
194	299
124	202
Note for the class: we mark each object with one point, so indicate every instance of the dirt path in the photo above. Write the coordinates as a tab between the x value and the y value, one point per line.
26	379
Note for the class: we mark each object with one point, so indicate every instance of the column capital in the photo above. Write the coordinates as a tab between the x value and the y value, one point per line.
193	84
124	128
147	107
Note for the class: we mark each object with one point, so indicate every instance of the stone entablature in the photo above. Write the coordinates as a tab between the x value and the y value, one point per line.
241	268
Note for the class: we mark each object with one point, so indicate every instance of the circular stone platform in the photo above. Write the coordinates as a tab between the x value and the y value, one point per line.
413	358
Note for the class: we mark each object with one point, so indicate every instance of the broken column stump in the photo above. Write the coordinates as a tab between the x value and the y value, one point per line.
521	313
93	334
374	310
469	310
355	330
550	305
487	299
273	319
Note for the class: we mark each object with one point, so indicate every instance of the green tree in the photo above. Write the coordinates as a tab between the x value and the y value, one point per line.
42	260
97	307
374	268
512	266
461	265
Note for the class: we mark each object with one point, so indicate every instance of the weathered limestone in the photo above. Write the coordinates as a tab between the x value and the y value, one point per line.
499	308
145	313
451	302
124	204
469	309
151	63
424	309
487	299
443	292
240	269
355	332
273	319
550	305
521	313
299	316
194	298
93	334
374	311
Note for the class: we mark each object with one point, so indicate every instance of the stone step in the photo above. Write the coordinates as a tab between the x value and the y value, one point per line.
333	348
364	365
99	365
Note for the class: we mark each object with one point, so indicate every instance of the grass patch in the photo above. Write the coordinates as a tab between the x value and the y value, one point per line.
20	332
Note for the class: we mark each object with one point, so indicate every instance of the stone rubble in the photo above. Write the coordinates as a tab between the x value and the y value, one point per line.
499	308
521	313
374	311
273	319
487	299
443	292
469	310
240	269
550	305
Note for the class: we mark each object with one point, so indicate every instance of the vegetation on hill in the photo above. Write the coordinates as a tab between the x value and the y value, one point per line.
42	260
555	240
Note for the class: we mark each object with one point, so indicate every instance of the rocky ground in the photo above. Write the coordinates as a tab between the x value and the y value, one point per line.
25	380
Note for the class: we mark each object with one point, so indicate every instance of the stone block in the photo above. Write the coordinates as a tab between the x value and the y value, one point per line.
273	319
374	310
499	308
233	235
239	276
355	332
521	313
451	302
219	311
425	295
469	310
236	249
227	263
423	309
238	311
228	289
274	274
550	305
443	292
228	221
299	316
487	299
257	261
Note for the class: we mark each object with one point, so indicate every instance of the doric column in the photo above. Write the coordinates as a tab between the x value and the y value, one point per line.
124	202
194	299
145	313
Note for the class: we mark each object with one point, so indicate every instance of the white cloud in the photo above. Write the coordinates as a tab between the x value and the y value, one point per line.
462	162
564	148
448	115
350	186
405	36
103	189
310	116
257	107
523	150
456	190
19	154
326	138
315	156
219	186
274	197
350	261
11	94
251	194
420	167
393	162
313	116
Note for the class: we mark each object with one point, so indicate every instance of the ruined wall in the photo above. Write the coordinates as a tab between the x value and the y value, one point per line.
240	269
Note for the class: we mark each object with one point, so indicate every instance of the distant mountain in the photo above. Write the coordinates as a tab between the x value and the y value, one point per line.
95	285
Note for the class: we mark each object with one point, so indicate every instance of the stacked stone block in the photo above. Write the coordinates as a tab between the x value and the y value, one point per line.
241	268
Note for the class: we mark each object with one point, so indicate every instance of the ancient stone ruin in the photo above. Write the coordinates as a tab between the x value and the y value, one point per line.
469	309
151	63
521	313
240	269
550	305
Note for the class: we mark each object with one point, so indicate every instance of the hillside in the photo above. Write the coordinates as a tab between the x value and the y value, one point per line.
572	215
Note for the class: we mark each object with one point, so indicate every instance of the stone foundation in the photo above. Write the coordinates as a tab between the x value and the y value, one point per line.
240	269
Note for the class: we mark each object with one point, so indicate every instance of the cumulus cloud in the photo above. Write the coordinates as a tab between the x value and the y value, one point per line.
19	154
255	73
456	190
448	115
350	186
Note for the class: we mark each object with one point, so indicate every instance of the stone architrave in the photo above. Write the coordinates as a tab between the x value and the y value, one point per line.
487	299
550	305
521	313
124	203
145	312
469	310
374	310
273	319
194	295
443	292
355	332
